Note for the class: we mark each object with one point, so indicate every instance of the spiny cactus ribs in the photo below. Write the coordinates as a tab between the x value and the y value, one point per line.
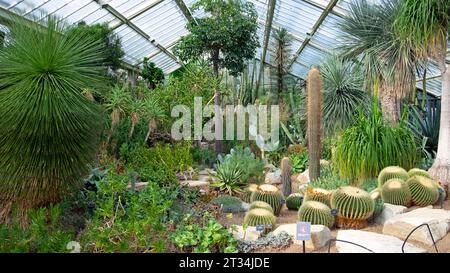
354	207
269	194
319	195
418	172
258	216
294	201
424	191
286	173
392	172
314	130
396	192
247	194
316	213
261	205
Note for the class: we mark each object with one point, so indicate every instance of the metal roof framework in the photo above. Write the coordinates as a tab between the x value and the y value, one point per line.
150	28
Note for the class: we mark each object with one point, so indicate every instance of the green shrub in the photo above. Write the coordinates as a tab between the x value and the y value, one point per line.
373	144
205	157
252	168
229	204
299	162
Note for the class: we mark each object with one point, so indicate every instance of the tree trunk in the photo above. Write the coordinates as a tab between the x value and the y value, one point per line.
390	105
441	167
218	117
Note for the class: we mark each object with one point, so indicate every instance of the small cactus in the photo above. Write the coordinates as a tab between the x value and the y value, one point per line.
418	172
396	192
294	201
392	172
314	130
257	217
319	195
316	213
354	207
261	205
424	191
286	174
269	194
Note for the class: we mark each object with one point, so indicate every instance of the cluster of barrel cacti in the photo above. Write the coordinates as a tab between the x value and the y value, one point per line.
395	191
269	194
316	213
261	205
390	173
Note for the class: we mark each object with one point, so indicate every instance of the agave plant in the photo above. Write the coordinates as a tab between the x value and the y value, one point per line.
228	178
49	129
152	111
425	126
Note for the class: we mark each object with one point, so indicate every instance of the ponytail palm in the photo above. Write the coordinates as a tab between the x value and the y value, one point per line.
48	128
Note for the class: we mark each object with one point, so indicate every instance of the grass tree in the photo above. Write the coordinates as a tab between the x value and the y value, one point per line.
281	52
426	23
118	103
152	111
49	130
226	36
389	60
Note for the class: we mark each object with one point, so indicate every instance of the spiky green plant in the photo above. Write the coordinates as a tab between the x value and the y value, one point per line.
286	173
314	89
294	201
49	129
354	207
228	179
424	191
269	194
319	195
260	205
343	93
152	111
418	172
392	172
316	213
280	53
371	145
379	203
396	192
247	193
258	216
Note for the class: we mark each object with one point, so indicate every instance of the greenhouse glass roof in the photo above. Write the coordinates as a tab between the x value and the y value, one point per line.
150	28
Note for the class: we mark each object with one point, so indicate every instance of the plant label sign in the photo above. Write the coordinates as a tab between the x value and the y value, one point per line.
303	231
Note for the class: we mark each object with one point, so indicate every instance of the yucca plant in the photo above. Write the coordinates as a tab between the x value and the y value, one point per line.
49	130
117	103
136	108
152	112
228	178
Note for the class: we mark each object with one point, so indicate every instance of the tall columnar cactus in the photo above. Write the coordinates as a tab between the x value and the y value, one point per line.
319	195
354	207
418	172
294	201
269	194
247	194
396	192
286	174
256	217
314	89
424	191
392	172
316	213
261	205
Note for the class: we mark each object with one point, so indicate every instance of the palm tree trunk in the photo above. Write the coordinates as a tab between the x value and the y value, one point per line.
441	167
390	105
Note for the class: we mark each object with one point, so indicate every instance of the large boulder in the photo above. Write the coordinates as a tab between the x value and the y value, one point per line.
401	225
303	178
248	235
273	178
378	243
388	212
320	235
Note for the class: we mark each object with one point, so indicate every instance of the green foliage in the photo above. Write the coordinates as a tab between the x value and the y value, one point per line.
151	73
261	205
269	194
299	162
425	125
44	233
392	172
370	185
314	131
251	167
228	178
49	130
329	180
354	206
373	144
259	216
316	213
294	201
424	191
227	35
128	221
208	236
228	204
343	93
112	52
396	192
204	156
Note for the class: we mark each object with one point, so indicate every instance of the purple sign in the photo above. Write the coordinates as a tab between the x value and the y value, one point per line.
303	231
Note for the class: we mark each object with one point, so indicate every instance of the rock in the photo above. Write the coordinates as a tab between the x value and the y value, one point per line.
320	235
388	212
206	172
303	178
302	188
378	243
202	185
402	224
250	233
245	206
205	178
273	177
